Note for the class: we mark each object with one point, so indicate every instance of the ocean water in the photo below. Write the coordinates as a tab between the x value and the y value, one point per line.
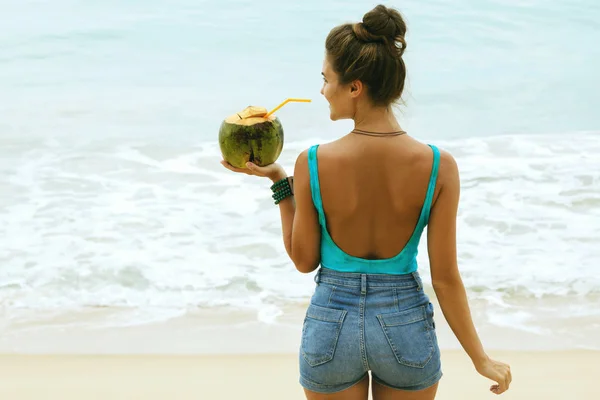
112	195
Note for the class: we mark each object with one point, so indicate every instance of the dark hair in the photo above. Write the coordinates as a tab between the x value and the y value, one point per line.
371	51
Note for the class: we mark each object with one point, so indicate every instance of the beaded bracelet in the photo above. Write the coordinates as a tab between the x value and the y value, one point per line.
282	189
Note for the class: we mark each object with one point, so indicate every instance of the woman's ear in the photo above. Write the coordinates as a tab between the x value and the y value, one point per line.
356	88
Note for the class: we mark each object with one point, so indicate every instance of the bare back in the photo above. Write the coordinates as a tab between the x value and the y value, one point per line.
373	189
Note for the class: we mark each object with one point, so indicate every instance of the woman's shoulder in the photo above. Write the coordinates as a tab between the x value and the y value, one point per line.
448	167
329	149
320	147
337	149
448	178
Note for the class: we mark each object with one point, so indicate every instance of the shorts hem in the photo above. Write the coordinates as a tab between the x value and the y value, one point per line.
328	389
420	386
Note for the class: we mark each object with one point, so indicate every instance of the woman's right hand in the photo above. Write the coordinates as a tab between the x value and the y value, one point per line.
496	371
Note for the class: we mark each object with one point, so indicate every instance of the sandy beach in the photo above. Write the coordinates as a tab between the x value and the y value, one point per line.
537	375
219	355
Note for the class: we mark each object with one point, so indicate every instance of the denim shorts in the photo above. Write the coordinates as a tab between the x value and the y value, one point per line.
356	323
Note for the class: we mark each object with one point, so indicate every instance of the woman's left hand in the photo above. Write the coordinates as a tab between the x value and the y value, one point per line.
273	171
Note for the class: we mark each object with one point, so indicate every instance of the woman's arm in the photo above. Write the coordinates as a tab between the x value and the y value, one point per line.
446	279
299	218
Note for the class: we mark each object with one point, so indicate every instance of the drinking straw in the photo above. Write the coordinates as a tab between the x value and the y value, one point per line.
284	103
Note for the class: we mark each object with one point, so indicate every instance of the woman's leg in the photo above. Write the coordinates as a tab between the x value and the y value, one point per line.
381	392
360	391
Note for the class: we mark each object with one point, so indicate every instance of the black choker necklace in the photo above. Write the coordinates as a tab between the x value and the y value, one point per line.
361	132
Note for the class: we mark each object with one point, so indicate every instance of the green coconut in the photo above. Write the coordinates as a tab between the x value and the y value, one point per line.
249	136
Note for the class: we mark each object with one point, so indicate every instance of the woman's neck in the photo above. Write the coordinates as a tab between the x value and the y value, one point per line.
376	119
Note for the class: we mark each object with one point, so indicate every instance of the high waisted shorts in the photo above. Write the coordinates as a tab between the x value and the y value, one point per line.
357	323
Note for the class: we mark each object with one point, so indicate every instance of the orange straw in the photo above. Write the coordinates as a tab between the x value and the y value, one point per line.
284	103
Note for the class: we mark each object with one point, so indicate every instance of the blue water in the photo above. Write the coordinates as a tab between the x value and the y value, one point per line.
111	192
176	68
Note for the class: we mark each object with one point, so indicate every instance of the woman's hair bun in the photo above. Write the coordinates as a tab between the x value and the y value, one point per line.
371	52
382	24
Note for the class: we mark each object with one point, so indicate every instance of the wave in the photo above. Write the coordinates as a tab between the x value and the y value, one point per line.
148	226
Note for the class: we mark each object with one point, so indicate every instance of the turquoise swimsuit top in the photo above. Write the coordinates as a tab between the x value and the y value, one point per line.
335	258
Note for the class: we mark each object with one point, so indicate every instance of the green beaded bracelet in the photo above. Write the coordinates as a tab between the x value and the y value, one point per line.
280	195
280	184
282	189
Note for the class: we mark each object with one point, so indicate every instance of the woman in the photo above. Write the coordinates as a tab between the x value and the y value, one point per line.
357	207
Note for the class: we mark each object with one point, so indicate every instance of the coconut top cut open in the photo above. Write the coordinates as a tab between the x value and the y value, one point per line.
249	116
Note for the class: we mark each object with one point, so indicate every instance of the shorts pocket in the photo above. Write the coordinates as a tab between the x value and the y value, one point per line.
320	333
409	334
